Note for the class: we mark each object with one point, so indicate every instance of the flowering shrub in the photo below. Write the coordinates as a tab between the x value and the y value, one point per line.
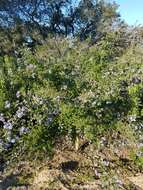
66	88
24	115
22	110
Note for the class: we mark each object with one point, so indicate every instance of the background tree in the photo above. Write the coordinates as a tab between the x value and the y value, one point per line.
86	19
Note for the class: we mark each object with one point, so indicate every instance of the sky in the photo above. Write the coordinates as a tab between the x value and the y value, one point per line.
131	11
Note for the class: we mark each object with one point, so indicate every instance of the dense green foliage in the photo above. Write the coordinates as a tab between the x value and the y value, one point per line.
67	88
70	87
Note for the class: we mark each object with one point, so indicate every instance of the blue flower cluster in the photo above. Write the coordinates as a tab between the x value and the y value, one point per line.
30	112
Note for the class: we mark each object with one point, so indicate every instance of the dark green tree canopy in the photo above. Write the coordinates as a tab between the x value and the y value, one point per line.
30	21
63	16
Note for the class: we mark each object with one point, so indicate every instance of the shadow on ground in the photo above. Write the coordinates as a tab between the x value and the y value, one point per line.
11	181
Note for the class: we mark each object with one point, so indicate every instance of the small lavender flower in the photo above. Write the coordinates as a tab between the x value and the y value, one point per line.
21	112
132	118
56	112
17	94
8	125
31	66
17	137
97	174
119	183
7	104
13	141
103	141
106	163
58	98
2	118
136	127
136	80
23	130
49	120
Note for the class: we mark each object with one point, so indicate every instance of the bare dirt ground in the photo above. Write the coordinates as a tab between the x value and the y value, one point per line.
107	167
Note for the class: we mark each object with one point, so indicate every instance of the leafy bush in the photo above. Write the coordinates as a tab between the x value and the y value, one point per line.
67	88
